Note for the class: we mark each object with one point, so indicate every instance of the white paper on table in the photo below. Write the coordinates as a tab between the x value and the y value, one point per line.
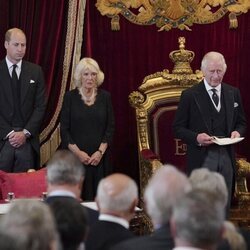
226	140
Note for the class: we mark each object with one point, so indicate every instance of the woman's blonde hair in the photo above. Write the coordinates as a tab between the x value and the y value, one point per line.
92	65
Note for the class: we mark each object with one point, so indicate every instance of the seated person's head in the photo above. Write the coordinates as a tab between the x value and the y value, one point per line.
8	242
32	225
71	222
207	180
164	189
117	194
65	170
197	220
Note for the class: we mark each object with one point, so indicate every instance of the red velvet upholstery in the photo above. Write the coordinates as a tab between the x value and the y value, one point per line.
163	142
149	154
23	185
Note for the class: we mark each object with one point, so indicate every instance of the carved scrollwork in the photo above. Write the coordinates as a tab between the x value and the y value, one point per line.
136	99
168	14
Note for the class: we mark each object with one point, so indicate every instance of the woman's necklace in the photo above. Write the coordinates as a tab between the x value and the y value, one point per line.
88	99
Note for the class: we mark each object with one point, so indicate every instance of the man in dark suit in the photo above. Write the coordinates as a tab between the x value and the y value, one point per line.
164	189
65	176
22	106
211	108
71	222
117	197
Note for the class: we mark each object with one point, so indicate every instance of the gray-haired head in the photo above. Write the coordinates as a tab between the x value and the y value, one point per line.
90	64
32	224
64	168
213	56
117	193
197	220
164	189
207	180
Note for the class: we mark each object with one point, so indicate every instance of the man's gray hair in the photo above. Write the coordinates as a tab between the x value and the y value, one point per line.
31	223
119	201
213	56
198	219
164	189
207	180
64	168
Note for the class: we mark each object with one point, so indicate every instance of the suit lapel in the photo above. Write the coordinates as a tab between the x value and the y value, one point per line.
6	81
229	103
24	79
201	97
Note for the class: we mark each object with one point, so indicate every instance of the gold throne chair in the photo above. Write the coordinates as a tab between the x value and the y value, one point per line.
155	103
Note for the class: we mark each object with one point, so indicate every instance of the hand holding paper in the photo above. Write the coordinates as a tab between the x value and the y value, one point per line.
226	140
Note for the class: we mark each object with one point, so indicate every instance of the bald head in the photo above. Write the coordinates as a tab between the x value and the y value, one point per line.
12	31
116	193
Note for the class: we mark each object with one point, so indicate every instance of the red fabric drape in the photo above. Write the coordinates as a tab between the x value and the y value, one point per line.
130	54
45	25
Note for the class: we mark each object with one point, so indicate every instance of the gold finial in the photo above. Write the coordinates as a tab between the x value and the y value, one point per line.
182	58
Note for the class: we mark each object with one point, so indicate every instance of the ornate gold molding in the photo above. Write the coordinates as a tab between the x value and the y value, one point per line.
168	14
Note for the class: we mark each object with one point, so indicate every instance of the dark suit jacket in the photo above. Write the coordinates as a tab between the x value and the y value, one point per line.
104	234
193	117
92	214
33	102
160	240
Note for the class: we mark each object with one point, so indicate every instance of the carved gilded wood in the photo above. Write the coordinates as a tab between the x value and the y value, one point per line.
168	14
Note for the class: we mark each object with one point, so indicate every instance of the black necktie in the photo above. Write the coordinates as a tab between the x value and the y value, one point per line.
14	74
215	97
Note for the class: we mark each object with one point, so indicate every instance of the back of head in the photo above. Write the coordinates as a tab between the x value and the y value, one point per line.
8	242
32	224
207	180
64	168
164	189
116	193
71	222
197	220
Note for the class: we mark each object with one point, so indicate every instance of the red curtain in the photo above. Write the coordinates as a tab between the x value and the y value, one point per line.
128	55
45	25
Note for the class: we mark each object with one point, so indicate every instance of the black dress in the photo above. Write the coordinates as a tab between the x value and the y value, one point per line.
88	127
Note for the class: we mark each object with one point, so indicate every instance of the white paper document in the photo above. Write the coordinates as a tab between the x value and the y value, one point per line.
226	140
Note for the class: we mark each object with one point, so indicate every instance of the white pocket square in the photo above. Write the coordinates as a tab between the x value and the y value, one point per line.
236	105
32	81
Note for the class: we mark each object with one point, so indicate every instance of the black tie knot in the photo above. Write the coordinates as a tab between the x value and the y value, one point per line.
215	97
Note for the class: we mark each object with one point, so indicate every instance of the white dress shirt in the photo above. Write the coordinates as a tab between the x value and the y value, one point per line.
210	92
115	219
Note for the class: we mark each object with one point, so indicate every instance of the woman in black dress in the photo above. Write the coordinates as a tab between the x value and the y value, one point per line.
87	124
